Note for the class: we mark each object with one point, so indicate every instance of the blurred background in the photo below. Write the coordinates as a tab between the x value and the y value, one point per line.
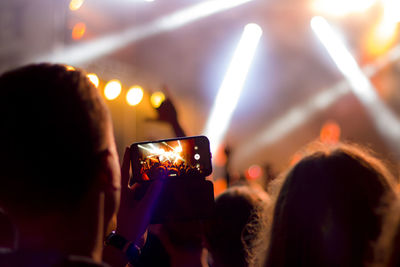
317	69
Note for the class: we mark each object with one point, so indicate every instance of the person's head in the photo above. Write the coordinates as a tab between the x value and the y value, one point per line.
233	234
58	154
329	210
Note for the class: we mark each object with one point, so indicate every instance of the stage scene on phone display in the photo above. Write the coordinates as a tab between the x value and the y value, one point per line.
179	158
204	133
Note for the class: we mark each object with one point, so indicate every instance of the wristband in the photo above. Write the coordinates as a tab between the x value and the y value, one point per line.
131	251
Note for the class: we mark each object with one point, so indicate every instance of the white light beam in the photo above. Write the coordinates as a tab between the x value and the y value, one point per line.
231	87
385	121
90	50
302	112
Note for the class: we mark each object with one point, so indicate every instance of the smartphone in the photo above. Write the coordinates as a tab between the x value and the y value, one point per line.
185	157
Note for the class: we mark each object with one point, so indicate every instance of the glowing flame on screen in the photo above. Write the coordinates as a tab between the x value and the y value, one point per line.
164	152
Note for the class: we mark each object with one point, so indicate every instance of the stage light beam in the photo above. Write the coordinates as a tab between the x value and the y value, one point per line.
391	11
385	121
90	50
232	85
301	113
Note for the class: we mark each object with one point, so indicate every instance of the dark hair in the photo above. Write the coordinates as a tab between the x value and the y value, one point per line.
329	209
234	233
53	125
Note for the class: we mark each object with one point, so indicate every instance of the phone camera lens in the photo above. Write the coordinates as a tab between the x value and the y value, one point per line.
196	156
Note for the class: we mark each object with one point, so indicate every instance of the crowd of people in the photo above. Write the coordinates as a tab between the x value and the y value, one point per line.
153	169
65	200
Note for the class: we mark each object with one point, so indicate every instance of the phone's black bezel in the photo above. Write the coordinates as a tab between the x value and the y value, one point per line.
134	153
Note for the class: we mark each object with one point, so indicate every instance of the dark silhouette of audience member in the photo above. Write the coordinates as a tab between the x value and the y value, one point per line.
60	179
329	209
233	236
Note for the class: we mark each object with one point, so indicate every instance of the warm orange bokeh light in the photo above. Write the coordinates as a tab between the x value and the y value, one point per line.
254	172
219	156
381	38
112	89
75	4
134	95
93	79
69	68
156	99
219	186
78	31
330	133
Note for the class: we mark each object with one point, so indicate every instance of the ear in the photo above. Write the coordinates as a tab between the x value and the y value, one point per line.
110	185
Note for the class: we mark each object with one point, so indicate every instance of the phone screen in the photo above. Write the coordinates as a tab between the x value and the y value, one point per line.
182	157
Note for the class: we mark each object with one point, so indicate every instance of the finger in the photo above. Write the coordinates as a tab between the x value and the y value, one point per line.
125	169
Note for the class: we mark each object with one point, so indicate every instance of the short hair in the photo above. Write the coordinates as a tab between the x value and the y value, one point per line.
329	209
234	234
53	127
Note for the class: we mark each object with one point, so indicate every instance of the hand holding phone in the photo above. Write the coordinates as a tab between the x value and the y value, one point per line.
186	157
181	165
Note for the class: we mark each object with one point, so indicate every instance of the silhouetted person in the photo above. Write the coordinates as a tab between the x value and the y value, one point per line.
60	180
329	209
233	236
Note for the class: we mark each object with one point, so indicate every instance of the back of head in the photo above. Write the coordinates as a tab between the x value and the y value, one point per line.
329	209
233	234
53	126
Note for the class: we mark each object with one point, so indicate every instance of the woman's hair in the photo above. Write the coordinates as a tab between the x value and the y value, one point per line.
329	210
233	234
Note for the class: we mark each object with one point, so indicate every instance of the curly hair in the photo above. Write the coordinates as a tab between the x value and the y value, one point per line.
329	210
234	234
